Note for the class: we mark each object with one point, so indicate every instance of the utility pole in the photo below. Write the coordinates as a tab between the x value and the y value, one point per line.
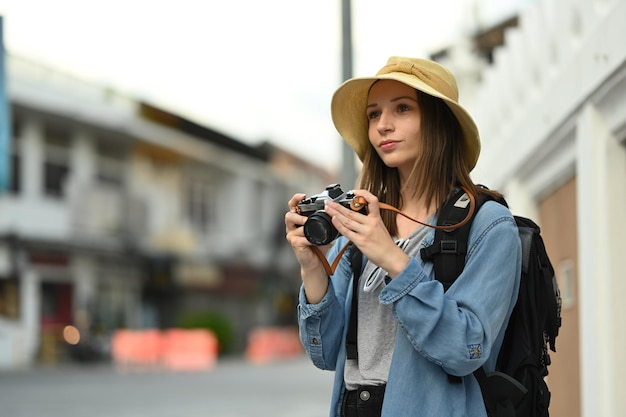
348	175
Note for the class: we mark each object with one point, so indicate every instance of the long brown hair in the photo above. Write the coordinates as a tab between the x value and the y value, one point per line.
440	166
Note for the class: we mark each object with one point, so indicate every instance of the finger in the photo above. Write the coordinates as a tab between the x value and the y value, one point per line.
293	221
293	202
292	218
373	207
334	209
346	221
296	238
345	226
348	216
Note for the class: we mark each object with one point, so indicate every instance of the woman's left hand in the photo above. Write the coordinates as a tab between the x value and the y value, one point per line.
368	233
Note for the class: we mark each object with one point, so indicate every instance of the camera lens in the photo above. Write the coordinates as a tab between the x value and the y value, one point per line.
319	229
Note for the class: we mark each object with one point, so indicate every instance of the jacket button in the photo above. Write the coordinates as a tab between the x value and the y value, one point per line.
365	395
315	341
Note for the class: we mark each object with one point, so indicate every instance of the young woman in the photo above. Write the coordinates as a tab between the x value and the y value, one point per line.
417	145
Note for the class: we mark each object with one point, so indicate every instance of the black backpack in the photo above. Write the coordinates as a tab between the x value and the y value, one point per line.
517	387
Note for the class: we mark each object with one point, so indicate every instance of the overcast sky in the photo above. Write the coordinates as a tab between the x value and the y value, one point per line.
254	70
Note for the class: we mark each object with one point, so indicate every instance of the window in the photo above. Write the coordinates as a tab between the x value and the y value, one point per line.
16	126
16	181
54	178
9	298
56	163
15	185
110	163
201	205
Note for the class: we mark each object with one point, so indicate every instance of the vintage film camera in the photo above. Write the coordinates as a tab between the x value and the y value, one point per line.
318	228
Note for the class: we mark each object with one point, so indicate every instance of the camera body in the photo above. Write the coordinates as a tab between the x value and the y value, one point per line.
318	228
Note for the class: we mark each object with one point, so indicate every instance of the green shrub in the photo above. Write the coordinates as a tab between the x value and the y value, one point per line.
214	321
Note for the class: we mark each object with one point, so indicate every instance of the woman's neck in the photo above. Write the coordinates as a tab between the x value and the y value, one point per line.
415	208
411	203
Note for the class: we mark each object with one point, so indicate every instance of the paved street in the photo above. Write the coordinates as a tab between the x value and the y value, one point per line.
234	388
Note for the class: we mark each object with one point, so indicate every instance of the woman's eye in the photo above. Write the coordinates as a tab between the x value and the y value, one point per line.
373	114
403	107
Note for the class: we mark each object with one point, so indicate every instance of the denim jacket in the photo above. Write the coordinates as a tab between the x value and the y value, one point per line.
439	334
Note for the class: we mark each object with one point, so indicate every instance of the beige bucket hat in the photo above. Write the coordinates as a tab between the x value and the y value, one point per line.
349	103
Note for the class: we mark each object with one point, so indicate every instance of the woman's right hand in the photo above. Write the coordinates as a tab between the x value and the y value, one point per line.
295	235
312	270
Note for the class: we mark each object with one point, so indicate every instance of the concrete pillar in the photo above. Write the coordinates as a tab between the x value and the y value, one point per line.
85	290
84	277
32	154
30	306
601	191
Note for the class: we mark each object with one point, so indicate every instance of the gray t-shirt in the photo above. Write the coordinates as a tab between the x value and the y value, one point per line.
376	325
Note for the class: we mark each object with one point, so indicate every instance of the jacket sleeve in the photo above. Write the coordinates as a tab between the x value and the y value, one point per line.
457	329
322	325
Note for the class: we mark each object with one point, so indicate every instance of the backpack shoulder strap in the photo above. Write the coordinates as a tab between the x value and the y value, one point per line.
447	253
356	261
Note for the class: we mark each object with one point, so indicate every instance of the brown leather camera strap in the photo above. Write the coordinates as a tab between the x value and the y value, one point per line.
357	204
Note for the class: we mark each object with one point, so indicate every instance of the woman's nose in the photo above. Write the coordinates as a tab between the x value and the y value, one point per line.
385	123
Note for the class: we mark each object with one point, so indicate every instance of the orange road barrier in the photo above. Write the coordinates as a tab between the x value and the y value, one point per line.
172	350
148	349
189	350
268	344
124	343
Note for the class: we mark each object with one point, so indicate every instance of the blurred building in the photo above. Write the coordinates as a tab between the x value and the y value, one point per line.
124	215
547	88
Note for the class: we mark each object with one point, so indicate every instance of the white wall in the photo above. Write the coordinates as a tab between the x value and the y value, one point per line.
553	106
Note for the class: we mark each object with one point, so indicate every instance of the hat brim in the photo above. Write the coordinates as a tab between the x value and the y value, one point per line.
349	105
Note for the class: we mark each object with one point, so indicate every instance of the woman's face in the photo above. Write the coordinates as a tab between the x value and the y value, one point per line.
394	123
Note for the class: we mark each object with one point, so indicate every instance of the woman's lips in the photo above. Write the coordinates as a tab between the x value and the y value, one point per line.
388	145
